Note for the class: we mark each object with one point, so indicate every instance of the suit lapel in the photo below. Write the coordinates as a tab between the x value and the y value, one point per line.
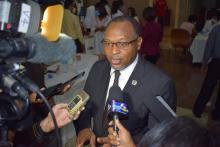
104	84
134	81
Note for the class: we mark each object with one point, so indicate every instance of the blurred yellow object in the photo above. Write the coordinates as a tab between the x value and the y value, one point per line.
52	22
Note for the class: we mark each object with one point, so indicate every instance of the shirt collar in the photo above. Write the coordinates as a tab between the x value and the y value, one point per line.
128	69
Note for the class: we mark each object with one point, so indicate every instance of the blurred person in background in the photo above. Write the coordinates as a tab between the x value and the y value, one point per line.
211	65
117	8
161	9
132	13
71	25
189	25
102	20
178	132
152	35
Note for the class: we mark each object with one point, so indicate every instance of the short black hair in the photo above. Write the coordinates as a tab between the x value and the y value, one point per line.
149	14
101	8
132	10
116	5
179	132
133	22
192	18
68	3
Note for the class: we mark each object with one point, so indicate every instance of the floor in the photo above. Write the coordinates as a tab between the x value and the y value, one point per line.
188	77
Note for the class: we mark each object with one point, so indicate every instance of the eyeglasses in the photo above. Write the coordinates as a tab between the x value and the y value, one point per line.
120	44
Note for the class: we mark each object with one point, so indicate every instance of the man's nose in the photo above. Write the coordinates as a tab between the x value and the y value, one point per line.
115	49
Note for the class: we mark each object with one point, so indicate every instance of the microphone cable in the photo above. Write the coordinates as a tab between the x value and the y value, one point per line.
27	83
59	142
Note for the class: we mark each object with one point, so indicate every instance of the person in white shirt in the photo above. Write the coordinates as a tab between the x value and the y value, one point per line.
102	19
117	8
190	25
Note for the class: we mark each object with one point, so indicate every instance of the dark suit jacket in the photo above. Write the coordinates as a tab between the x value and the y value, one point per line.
151	82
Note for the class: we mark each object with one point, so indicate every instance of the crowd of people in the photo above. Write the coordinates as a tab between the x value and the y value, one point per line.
99	15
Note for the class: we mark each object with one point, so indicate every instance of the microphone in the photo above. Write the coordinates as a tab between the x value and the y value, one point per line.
37	49
50	25
118	108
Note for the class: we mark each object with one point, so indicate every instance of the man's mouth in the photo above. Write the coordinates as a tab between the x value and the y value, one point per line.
116	61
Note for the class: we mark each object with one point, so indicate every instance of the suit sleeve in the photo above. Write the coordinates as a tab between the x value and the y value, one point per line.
168	92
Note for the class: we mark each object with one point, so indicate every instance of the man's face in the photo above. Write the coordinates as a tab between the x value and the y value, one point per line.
121	44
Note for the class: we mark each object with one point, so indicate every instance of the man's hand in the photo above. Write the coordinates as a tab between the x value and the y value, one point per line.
62	115
84	136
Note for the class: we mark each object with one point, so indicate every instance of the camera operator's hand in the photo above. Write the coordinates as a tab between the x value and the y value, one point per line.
33	98
62	115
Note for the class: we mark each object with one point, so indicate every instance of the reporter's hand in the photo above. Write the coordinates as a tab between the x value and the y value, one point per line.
111	139
84	136
125	138
62	115
122	139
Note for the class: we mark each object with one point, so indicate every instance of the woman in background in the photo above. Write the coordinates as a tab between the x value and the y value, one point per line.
132	13
152	35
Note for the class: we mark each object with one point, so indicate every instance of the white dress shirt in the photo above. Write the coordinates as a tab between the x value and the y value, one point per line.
124	76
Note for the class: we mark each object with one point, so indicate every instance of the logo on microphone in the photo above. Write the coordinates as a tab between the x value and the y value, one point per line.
119	107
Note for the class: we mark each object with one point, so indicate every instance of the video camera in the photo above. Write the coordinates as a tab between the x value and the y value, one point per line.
18	18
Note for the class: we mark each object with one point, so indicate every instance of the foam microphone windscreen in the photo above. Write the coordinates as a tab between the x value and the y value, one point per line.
52	22
43	51
115	93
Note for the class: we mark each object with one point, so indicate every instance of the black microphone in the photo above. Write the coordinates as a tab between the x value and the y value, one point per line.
118	108
37	49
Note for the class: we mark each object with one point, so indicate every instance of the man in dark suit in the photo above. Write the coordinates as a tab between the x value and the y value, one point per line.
139	81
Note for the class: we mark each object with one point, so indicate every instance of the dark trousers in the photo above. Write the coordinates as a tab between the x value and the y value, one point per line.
211	80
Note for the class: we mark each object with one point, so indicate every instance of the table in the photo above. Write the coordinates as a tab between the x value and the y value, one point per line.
78	66
197	47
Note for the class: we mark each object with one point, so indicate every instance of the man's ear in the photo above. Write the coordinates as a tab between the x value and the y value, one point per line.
139	42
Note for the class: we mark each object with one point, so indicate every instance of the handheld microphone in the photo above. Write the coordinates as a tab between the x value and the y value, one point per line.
50	25
37	49
118	108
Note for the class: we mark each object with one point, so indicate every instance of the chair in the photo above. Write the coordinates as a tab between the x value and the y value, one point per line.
180	38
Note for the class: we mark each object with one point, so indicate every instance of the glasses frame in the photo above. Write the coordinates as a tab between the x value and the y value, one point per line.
119	44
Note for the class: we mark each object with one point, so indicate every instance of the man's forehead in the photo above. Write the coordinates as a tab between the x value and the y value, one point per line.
119	28
124	23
